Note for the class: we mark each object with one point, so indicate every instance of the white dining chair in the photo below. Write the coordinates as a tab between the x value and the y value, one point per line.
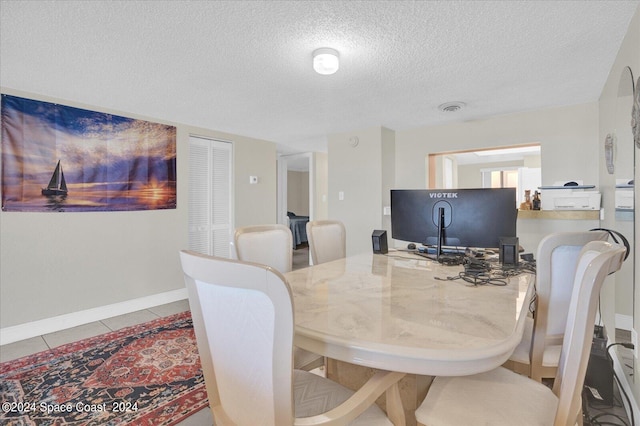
243	318
503	397
327	240
266	244
538	353
271	245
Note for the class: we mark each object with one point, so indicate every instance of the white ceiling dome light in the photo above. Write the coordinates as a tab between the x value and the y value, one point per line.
326	61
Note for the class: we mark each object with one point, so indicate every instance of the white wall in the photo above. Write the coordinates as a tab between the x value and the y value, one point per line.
320	185
567	136
470	175
298	192
388	165
628	55
57	263
254	204
357	171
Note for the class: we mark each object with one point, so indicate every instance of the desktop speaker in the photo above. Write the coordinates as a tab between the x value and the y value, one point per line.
379	240
509	251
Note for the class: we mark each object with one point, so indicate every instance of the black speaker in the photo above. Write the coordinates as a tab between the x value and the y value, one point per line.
599	376
509	251
379	240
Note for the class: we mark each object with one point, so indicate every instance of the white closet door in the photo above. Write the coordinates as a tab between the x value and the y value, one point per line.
210	214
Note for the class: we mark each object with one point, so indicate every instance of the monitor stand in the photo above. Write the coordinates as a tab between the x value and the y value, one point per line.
440	232
440	251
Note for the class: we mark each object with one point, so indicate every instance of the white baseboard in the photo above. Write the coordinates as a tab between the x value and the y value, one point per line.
49	325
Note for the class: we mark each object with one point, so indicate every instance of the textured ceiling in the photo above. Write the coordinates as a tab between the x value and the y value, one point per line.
244	67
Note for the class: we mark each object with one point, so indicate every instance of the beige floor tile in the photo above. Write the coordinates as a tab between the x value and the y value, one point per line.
74	334
201	418
171	308
22	348
127	320
300	258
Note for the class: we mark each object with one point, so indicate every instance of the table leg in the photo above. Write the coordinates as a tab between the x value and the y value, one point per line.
411	390
395	410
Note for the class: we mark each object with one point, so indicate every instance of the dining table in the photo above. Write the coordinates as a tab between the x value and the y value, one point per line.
402	312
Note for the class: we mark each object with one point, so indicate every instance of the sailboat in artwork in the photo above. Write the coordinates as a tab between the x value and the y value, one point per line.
57	184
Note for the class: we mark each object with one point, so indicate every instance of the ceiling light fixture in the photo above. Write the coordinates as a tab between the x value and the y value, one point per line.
326	60
451	106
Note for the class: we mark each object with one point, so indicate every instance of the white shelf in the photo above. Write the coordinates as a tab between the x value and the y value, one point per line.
568	187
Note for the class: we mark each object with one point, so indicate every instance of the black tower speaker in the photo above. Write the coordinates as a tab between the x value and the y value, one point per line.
509	251
379	240
599	376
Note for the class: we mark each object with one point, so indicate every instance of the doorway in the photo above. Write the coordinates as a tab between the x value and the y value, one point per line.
296	201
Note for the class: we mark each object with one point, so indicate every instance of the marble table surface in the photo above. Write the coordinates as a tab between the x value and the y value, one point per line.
391	312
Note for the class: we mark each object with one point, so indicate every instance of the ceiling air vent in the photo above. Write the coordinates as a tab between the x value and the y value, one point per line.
451	106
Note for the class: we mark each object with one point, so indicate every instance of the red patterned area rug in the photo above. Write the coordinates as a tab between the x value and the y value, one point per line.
147	374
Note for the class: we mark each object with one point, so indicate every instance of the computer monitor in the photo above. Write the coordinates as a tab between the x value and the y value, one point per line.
463	218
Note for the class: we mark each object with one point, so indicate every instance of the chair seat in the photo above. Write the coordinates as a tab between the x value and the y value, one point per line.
315	395
305	360
498	397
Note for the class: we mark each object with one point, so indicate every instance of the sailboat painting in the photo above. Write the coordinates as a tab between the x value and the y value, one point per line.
110	162
57	184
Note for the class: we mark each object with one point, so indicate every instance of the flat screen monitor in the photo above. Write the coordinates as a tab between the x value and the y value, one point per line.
463	218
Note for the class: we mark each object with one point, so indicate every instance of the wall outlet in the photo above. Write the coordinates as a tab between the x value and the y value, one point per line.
634	340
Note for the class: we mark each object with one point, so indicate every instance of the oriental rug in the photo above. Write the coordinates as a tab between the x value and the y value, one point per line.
147	374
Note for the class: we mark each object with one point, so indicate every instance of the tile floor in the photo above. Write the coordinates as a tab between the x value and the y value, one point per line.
301	257
41	343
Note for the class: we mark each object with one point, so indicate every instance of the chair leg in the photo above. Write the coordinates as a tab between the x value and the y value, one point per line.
395	411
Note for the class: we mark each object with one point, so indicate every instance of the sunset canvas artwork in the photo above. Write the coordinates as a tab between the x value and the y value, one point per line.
61	158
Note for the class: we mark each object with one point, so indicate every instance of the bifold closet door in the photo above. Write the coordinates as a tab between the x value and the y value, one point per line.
210	207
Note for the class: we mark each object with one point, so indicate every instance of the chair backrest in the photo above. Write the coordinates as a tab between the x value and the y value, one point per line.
327	240
556	262
597	260
270	245
243	320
